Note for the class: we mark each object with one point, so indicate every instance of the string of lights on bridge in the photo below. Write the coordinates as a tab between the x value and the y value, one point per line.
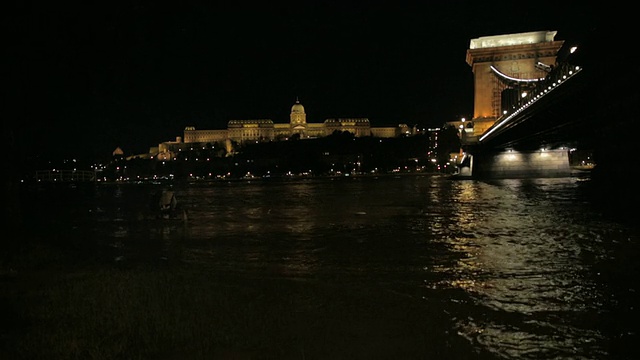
557	77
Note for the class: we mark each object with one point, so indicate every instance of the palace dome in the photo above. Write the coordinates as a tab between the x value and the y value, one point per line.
297	108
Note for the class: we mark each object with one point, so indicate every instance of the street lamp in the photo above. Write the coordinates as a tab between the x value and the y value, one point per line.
461	127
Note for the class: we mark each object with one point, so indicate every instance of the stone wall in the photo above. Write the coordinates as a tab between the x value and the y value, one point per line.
514	164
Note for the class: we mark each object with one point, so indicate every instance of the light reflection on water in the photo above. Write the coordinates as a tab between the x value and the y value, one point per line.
520	248
524	268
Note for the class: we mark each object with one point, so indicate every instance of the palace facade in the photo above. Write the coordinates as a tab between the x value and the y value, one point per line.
259	130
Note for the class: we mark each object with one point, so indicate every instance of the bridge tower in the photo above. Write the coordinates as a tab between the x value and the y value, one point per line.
501	66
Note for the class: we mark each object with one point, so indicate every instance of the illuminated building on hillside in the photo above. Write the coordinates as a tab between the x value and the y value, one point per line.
241	131
262	130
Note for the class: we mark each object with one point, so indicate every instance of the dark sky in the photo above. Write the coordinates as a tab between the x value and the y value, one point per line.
93	76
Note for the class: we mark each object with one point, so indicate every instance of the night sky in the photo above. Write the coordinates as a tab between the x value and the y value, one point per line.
86	77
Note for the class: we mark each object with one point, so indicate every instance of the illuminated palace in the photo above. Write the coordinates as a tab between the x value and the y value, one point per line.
259	130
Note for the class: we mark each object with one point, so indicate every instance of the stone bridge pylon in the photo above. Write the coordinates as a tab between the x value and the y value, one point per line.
505	66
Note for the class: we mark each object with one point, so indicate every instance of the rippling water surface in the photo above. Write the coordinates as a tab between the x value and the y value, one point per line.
522	268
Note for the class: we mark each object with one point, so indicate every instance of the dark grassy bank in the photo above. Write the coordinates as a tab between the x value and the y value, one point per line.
88	310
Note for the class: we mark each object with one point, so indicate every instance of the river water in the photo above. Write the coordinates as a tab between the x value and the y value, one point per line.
523	268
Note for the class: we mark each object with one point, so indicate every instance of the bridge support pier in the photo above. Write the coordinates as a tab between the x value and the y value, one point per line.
516	164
